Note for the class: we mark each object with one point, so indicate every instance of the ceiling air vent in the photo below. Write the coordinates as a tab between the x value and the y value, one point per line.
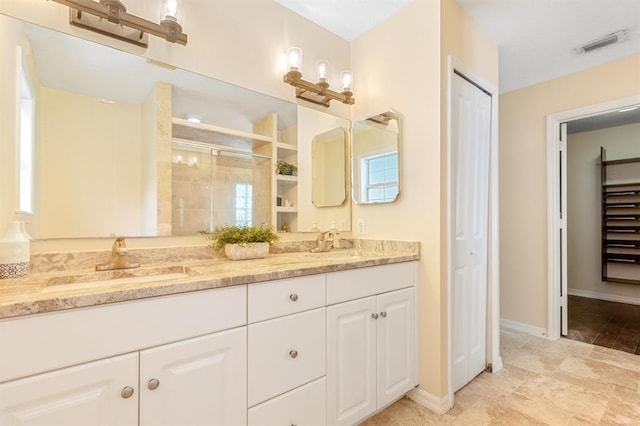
607	40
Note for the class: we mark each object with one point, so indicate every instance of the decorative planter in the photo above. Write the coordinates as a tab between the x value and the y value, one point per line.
246	251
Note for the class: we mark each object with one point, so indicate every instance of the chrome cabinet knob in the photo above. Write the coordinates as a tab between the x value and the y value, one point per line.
153	384
383	314
293	297
127	392
293	353
374	315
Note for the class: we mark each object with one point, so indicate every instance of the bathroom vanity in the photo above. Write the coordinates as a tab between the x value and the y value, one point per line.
296	338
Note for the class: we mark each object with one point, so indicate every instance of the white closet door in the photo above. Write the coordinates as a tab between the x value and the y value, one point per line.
470	142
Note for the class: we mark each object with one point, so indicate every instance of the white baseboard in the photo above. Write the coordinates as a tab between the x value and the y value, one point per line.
522	327
497	365
604	296
438	405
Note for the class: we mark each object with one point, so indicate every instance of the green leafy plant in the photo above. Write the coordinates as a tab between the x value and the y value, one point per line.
243	235
284	168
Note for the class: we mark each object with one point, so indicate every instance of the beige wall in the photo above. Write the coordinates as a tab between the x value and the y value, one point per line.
401	64
583	209
89	173
523	177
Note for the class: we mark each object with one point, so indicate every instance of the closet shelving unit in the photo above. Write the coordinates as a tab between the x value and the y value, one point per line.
620	219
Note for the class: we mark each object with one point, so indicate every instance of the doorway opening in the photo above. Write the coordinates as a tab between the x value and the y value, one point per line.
579	303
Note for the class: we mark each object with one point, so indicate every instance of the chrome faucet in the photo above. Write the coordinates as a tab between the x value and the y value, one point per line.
119	257
324	241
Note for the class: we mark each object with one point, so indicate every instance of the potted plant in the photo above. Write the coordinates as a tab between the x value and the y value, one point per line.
284	168
243	242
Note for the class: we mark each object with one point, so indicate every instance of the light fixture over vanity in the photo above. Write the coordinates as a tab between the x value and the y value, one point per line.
110	17
319	92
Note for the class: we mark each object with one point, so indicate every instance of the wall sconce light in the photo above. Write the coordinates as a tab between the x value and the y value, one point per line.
110	17
319	92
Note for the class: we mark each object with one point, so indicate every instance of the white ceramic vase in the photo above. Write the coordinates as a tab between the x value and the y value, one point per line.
14	251
246	251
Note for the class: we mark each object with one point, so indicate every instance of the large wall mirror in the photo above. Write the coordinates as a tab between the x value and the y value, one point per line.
128	146
375	159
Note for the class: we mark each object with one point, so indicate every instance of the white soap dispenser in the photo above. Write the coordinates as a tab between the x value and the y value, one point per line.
14	251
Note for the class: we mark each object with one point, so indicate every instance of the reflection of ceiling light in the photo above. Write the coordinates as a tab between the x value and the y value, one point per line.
107	101
628	109
192	118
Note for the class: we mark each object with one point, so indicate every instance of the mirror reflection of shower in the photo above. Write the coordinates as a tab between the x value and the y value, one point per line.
213	187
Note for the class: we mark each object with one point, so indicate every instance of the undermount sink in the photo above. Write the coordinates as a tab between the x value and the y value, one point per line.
87	280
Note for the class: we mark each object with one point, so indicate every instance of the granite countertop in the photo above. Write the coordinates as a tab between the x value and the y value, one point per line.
57	290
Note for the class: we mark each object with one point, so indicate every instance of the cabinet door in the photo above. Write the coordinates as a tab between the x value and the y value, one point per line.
396	345
351	361
88	394
201	381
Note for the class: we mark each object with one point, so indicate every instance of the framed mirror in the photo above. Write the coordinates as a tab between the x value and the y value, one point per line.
375	159
328	168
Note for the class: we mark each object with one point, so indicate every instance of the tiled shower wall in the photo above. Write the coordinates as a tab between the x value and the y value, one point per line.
204	189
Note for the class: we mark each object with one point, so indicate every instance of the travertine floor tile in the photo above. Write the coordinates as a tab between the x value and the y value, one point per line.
601	371
543	382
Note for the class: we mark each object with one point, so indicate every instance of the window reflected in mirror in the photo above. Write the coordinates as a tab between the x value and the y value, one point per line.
375	159
328	168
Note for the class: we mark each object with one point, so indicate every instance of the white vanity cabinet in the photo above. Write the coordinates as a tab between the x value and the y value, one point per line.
287	351
91	393
196	381
189	380
199	381
371	340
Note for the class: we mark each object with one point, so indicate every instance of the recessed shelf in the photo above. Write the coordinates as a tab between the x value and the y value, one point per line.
286	149
217	135
286	178
286	209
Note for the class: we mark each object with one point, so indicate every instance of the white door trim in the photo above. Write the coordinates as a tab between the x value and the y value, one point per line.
493	288
554	266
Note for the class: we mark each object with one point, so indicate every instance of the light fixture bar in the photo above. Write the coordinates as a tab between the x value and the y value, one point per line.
109	17
317	93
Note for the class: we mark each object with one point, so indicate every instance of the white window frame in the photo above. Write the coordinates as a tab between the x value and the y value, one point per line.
25	139
366	178
244	190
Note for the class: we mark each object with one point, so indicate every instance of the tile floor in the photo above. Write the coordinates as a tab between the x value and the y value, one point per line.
609	324
543	382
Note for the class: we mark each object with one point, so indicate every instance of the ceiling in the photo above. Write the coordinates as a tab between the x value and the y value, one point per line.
537	38
346	18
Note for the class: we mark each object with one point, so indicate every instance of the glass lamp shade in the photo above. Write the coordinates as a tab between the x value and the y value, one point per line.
323	70
346	77
170	10
294	59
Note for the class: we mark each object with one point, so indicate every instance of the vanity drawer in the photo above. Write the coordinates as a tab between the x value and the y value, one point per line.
364	282
285	353
305	405
283	297
37	343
